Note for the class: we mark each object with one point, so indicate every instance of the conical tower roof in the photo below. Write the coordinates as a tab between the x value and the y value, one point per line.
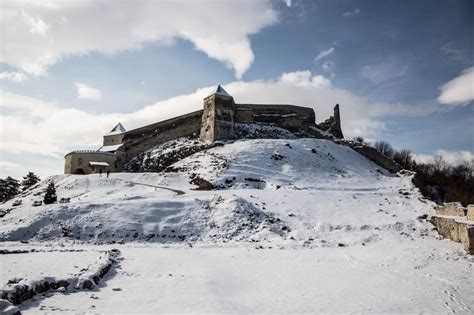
221	92
118	129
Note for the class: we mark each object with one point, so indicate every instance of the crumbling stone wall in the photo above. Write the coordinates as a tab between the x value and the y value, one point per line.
139	140
470	212
452	222
456	229
451	208
284	116
333	124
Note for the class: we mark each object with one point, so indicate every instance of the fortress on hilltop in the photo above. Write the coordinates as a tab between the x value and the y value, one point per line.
220	119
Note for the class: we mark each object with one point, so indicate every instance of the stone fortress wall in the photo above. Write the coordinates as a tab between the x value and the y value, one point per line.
139	140
285	116
215	122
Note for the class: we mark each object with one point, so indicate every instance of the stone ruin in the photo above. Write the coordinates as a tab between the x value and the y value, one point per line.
456	223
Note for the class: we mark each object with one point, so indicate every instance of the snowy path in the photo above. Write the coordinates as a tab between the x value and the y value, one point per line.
242	280
177	191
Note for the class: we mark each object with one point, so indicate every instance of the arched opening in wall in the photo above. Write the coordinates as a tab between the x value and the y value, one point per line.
79	171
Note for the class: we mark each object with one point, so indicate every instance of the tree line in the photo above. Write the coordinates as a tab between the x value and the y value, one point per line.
438	180
10	187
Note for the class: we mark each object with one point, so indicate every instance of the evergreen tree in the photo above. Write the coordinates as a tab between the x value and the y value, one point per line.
9	188
50	195
29	180
3	190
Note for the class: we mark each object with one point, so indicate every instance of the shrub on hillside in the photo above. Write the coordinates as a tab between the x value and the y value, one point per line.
50	194
29	180
9	188
385	148
437	180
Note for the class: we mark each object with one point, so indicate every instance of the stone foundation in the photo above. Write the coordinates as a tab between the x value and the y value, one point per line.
451	208
470	212
458	228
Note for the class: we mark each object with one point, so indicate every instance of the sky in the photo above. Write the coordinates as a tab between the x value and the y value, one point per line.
402	71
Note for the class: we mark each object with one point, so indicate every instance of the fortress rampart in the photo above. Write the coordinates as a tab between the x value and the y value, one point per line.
141	139
216	121
289	117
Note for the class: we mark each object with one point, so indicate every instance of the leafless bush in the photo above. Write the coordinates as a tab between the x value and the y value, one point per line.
438	180
385	148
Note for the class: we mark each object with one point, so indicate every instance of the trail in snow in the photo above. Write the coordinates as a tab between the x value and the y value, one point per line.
177	191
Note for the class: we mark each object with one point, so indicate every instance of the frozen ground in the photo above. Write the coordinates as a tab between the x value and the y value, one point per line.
31	266
296	226
376	279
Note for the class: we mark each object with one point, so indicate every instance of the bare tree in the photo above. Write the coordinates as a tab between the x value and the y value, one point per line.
404	158
385	148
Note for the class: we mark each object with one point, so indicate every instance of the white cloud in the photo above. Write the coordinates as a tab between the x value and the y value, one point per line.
452	157
385	72
13	76
288	3
460	90
41	32
37	25
87	92
324	53
305	79
351	13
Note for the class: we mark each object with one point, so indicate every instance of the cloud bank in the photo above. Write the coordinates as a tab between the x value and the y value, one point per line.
460	90
452	157
40	33
13	76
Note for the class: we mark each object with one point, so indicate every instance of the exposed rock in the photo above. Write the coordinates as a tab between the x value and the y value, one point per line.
202	183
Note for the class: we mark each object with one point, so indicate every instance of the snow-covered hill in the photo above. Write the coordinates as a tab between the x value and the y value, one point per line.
300	225
303	192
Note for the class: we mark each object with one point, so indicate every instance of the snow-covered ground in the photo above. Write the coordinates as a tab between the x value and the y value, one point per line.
300	225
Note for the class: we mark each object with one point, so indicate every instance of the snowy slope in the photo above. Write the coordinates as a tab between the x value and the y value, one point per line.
300	225
303	192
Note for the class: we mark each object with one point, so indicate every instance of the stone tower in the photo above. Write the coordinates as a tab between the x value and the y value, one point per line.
218	117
